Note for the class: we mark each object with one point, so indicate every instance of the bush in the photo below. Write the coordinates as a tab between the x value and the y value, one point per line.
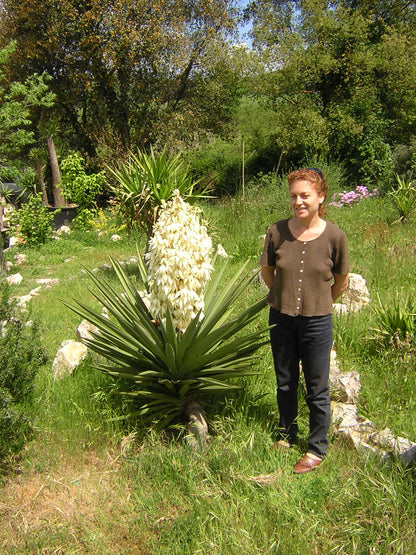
77	186
20	357
32	222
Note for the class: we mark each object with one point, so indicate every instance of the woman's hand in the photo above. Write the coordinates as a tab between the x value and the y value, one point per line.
267	273
339	285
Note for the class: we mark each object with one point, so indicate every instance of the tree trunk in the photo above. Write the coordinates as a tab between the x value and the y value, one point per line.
58	199
39	172
197	427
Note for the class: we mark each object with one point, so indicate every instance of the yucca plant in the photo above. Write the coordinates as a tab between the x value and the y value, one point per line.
403	198
147	180
170	370
396	321
178	339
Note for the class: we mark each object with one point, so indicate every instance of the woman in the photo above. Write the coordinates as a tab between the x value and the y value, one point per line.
305	265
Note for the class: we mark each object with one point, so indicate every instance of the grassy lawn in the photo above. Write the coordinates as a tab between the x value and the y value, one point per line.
89	483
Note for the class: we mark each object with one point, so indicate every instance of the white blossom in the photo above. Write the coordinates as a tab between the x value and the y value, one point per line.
178	261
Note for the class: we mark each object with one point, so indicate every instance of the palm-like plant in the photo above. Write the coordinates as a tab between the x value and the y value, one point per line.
146	181
396	321
170	370
403	197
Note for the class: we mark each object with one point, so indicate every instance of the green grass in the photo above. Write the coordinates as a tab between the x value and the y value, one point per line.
85	488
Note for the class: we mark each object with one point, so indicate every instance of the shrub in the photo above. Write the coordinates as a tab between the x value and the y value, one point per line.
77	186
146	181
20	357
32	222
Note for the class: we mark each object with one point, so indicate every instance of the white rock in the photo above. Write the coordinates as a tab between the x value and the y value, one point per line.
84	330
19	259
115	237
63	229
14	279
48	282
345	386
13	241
221	251
356	296
68	357
24	299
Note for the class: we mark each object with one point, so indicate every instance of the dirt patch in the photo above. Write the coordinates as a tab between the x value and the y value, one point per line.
79	506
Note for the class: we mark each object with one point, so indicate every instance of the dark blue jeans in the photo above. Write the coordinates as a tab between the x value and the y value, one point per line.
308	340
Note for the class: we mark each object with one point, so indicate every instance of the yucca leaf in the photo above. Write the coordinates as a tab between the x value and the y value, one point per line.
170	359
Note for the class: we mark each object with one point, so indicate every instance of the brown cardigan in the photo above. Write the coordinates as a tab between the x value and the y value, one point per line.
304	269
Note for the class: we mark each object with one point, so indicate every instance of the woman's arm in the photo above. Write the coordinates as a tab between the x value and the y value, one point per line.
339	285
267	273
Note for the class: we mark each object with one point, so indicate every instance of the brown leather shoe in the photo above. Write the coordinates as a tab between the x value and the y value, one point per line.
306	464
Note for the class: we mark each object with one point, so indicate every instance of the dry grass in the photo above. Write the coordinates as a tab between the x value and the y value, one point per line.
78	503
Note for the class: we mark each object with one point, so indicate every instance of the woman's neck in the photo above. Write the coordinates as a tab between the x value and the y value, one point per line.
307	229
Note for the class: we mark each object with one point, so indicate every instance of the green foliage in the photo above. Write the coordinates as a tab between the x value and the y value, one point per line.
342	76
219	162
17	101
396	321
403	198
32	222
76	185
119	68
146	181
168	369
20	358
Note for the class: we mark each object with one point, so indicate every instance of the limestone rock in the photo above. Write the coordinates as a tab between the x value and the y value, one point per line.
69	356
345	386
24	299
14	279
19	259
399	447
63	229
115	237
13	241
356	296
84	330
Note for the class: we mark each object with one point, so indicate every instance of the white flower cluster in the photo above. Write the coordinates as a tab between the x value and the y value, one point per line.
178	263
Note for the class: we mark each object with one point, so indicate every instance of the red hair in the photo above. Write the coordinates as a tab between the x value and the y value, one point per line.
316	178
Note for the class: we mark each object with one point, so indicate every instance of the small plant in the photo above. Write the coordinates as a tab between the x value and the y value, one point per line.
20	358
32	222
403	198
349	198
396	321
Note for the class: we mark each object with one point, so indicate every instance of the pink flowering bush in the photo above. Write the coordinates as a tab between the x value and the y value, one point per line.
349	198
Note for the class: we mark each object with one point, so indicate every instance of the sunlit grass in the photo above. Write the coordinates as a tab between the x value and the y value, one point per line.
85	489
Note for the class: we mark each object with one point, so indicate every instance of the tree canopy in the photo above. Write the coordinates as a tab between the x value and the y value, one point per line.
322	79
18	99
120	69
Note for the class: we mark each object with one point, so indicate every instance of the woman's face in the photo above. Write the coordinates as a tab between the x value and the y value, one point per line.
304	199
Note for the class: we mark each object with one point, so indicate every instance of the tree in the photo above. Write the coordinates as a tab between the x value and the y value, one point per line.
342	66
119	68
17	101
